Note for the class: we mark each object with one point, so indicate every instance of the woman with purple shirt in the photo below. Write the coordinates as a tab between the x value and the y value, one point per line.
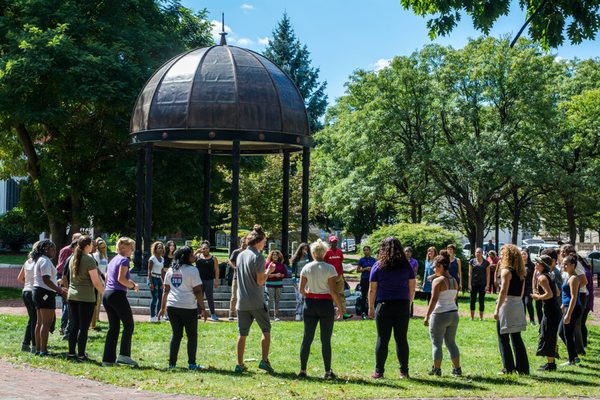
117	306
391	292
590	302
414	264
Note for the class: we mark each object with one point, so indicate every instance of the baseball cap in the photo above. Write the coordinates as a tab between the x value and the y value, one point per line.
333	238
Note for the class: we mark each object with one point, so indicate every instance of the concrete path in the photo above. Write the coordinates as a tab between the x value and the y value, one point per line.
16	383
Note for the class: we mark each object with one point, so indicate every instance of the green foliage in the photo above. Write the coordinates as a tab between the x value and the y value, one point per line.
14	231
418	236
286	51
548	21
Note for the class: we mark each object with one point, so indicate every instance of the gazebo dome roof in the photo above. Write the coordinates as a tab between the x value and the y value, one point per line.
212	96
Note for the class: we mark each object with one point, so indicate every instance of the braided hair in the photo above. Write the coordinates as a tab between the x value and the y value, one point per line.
42	249
181	257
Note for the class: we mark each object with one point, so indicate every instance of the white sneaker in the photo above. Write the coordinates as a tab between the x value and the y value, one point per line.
126	360
153	319
276	319
298	317
165	318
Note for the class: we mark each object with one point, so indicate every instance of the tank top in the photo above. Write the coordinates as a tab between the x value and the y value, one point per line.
28	270
206	267
515	285
453	269
552	284
566	293
446	300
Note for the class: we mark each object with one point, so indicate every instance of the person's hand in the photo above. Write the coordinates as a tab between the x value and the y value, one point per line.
151	287
426	321
496	316
459	288
371	312
338	314
271	268
161	313
64	291
205	314
567	319
470	288
216	284
135	287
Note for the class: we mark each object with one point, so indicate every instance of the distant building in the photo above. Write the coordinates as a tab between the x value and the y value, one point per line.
9	195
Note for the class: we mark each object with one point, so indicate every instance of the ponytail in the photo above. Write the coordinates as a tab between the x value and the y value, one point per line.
82	243
181	257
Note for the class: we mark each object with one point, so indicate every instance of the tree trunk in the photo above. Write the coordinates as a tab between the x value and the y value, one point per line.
581	231
57	233
570	210
75	209
516	217
357	238
413	213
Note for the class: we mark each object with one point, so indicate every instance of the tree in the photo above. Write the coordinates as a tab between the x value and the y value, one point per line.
548	21
286	51
69	74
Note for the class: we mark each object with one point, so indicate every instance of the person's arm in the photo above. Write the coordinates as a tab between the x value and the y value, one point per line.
263	275
412	284
435	294
122	278
470	275
534	277
303	291
60	290
150	283
21	276
372	295
503	291
487	276
574	286
95	277
331	282
163	307
200	300
582	280
216	268
460	277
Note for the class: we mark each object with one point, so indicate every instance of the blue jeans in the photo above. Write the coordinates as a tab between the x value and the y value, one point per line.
156	296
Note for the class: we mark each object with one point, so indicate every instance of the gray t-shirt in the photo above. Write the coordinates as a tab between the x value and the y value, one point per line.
250	294
181	284
317	275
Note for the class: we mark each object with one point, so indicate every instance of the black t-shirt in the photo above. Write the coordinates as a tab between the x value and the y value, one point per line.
206	267
478	272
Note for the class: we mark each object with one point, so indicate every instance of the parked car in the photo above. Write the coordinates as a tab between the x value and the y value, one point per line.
537	248
593	260
527	242
467	250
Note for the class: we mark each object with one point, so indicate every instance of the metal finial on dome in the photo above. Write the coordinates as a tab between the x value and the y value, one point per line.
223	33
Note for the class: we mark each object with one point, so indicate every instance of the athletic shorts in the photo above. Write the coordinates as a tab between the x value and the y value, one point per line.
44	298
245	319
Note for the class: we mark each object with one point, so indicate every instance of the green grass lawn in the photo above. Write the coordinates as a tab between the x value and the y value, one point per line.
10	293
17	259
353	361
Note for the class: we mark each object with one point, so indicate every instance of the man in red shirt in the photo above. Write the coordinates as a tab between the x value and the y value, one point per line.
335	257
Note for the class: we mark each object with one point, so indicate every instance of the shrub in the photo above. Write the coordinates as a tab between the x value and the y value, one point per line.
418	236
13	230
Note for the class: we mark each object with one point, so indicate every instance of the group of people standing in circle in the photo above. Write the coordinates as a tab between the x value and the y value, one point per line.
180	279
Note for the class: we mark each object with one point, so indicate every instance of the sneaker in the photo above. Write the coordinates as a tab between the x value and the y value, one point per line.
83	359
172	366
532	323
504	371
26	348
403	375
71	357
377	375
195	367
266	365
567	363
548	367
363	316
276	319
240	369
347	316
329	376
577	360
65	337
33	349
43	354
153	319
108	364
214	317
126	360
230	318
457	371
298	317
165	318
301	375
435	371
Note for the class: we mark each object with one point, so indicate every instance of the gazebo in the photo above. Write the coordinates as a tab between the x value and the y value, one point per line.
219	100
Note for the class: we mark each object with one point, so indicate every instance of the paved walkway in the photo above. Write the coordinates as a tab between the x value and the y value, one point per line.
14	379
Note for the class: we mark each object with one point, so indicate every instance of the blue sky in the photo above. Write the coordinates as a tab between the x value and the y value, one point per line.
345	35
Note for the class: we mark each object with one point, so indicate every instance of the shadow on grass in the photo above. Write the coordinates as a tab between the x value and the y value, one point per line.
561	379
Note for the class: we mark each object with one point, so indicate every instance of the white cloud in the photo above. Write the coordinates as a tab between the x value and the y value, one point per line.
247	7
245	42
381	64
217	28
263	41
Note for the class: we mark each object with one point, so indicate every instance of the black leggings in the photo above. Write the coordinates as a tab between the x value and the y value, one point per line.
506	352
584	330
475	290
392	315
209	289
528	304
117	310
32	321
539	310
81	314
183	318
317	311
567	331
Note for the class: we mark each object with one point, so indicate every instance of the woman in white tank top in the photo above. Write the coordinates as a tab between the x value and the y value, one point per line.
442	315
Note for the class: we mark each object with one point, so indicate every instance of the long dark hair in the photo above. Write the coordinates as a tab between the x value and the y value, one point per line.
391	254
298	254
181	257
168	248
78	253
42	249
